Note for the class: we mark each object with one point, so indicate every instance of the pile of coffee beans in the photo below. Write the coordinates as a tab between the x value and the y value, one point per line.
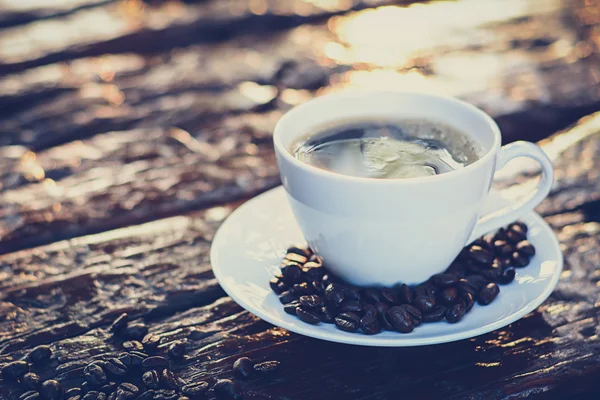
314	295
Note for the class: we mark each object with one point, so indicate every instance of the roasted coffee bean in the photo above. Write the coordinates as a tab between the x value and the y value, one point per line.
267	367
400	319
448	295
225	390
480	255
388	295
465	286
386	322
302	289
177	350
523	227
424	303
151	342
493	272
351	294
243	367
382	308
455	313
369	310
437	314
328	314
136	331
468	299
405	294
147	395
519	260
526	248
311	302
133	358
500	235
290	308
165	394
414	313
313	271
30	395
181	398
287	297
292	274
31	381
168	379
334	294
94	395
133	345
481	242
425	289
108	388
328	279
308	316
516	233
115	367
120	323
478	281
78	397
507	276
488	294
444	280
40	355
127	390
298	258
195	390
276	285
151	379
372	295
94	374
85	387
369	324
298	250
347	321
73	392
155	362
318	287
14	370
503	248
352	306
52	390
506	262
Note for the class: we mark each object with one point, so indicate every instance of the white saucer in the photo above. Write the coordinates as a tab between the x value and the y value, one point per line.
249	245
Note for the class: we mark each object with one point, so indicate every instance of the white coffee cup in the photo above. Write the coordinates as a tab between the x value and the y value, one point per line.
385	231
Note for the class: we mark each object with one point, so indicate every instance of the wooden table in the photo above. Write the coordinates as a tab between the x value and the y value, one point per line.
129	130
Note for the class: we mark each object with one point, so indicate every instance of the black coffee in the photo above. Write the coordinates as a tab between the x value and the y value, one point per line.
388	149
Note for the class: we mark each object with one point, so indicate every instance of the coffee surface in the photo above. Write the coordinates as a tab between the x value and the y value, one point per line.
388	149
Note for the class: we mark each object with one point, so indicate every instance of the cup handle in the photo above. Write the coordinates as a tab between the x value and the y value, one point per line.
513	211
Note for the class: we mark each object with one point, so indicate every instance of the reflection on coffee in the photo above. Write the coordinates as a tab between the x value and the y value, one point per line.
388	149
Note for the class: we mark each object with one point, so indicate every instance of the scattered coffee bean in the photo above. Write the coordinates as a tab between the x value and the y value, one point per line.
290	308
277	285
507	276
469	300
308	316
52	390
267	367
299	250
40	355
328	314
352	306
437	314
488	294
311	302
372	295
318	286
313	271
455	313
298	258
480	255
14	370
73	392
425	289
405	294
444	280
502	248
388	295
302	289
30	395
94	374
287	297
31	381
334	294
133	345
151	379
115	367
127	390
225	390
526	248
369	310
108	388
243	367
465	286
351	294
424	303
147	395
155	362
519	260
136	331
516	233
168	379
177	350
165	394
400	319
414	313
195	390
478	281
94	395
292	274
133	358
449	295
85	387
347	321
120	324
369	324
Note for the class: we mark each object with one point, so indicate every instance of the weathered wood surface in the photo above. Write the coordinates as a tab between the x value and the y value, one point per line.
159	118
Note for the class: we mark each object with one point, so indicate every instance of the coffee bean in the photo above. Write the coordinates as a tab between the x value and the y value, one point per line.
351	294
108	388
424	303
243	367
352	306
308	316
502	248
370	325
133	345
225	390
311	302
73	392
372	295
334	294
480	255
275	284
168	379
469	300
195	390
493	272
414	313
115	367
292	274
449	295
405	294
30	395
455	313
302	289
290	308
425	289
94	395
120	324
465	286
400	319
181	398
14	370
287	297
40	355
147	395
318	287
298	258
133	358
313	271
94	374
31	381
516	233
328	314
478	281
298	250
52	390
267	367
155	362
151	342
500	235
177	350
444	280
151	379
347	321
437	314
481	242
369	310
507	276
526	248
136	331
165	394
85	387
488	294
388	295
519	260
126	391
